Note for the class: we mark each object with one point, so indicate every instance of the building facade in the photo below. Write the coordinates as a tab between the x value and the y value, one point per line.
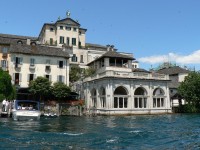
25	61
176	75
68	33
117	88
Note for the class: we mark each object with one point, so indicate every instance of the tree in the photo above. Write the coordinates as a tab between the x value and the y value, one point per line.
89	71
60	90
190	90
6	88
75	73
41	87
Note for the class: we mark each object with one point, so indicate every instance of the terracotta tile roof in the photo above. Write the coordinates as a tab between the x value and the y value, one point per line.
38	50
9	38
173	70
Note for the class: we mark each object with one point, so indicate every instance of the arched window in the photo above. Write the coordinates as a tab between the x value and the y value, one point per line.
140	98
158	98
19	42
120	98
102	97
94	98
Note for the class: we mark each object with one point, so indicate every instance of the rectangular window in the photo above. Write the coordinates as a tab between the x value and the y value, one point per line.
16	78
60	78
61	64
32	61
48	68
140	102
158	102
51	41
61	40
5	50
68	28
154	102
48	61
68	41
18	60
125	103
3	63
48	77
73	41
74	58
136	102
61	27
51	29
115	102
120	102
31	77
75	29
81	61
162	102
79	44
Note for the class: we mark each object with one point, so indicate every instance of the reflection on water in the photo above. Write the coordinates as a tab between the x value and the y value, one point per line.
101	132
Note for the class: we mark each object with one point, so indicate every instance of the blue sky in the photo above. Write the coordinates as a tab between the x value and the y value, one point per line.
153	30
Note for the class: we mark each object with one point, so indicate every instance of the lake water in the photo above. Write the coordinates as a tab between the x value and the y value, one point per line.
102	132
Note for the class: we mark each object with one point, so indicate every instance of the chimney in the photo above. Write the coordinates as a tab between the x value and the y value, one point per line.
28	41
108	47
112	48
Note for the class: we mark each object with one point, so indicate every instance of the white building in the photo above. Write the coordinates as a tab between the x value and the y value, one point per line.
117	88
68	33
176	75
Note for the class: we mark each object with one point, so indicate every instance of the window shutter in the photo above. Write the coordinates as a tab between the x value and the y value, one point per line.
21	60
49	77
28	77
1	63
13	59
64	63
13	77
57	63
63	79
6	64
57	78
20	77
34	76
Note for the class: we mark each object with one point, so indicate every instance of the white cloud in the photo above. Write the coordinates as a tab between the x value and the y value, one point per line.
193	58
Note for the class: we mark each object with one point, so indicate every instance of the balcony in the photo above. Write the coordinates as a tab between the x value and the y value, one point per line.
18	66
4	55
130	75
32	67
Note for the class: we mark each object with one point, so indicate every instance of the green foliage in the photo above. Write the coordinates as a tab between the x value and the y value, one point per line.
40	87
60	90
13	94
89	71
74	73
190	90
6	88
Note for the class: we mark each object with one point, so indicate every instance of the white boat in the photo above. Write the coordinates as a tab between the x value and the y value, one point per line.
26	110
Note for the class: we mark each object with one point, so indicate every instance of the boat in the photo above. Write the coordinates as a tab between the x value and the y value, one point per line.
26	110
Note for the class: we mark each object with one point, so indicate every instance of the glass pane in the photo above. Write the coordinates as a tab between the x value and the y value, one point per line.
162	102
158	102
154	102
104	102
125	103
120	102
145	102
140	102
115	102
136	102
